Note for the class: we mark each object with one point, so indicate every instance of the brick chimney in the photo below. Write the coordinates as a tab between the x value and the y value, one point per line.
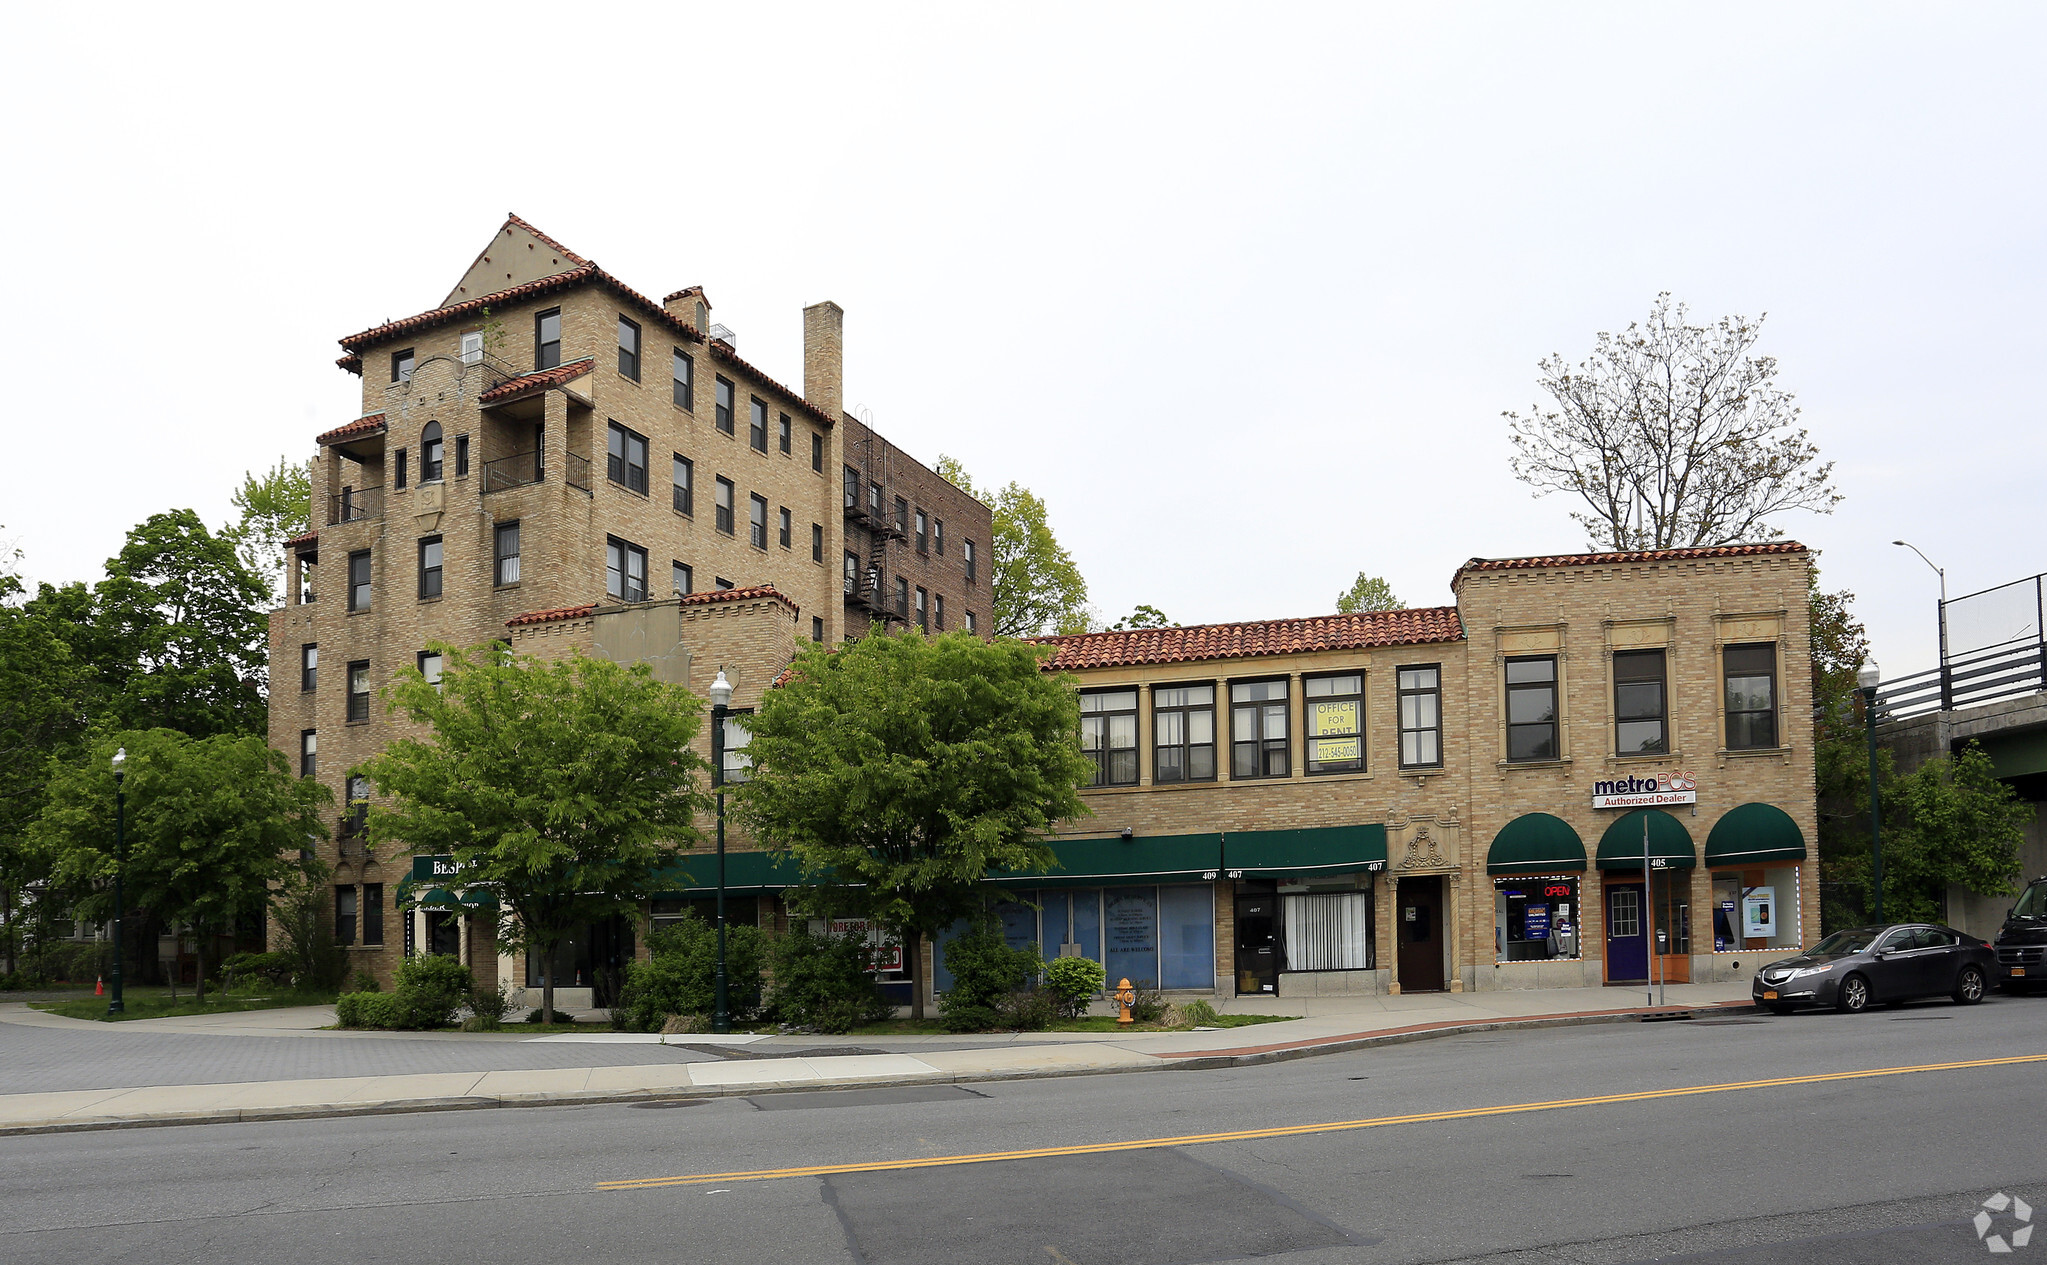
691	306
824	358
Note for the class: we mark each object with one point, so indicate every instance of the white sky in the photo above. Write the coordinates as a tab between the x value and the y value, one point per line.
1241	291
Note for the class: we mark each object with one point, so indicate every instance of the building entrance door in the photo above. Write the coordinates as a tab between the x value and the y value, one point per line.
1257	942
1419	926
1627	935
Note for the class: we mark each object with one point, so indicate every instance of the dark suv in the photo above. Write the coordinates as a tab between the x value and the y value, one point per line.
2022	945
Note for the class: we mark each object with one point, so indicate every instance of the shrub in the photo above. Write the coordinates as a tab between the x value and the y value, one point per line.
367	1010
1074	983
256	969
429	990
1029	1009
1199	1014
488	1006
1150	1005
824	982
985	971
366	983
537	1015
680	975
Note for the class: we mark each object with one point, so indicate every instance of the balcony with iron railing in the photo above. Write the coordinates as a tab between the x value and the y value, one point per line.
527	468
354	505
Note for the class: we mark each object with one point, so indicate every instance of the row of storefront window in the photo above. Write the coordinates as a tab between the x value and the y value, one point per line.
1260	733
1539	918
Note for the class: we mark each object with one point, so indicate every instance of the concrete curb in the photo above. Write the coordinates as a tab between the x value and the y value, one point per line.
1166	1063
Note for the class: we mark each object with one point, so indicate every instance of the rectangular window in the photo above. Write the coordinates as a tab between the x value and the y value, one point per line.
398	469
757	520
684	371
401	365
849	483
359	690
430	453
874	500
725	497
1335	723
625	570
938	612
309	667
817	452
722	583
757	425
1259	731
373	913
625	461
1751	676
461	455
923	610
685	485
429	664
817	629
923	532
309	752
1640	705
1327	931
852	570
1535	919
724	406
784	539
817	542
938	536
472	347
1183	731
430	567
972	626
902	598
547	339
968	553
682	579
902	516
629	348
359	580
1421	717
344	915
355	814
507	553
784	433
1532	708
1108	736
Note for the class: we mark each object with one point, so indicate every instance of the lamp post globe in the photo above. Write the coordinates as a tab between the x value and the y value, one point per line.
1867	678
116	1002
721	701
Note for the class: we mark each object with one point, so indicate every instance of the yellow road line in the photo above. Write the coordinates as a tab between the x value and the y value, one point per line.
1297	1130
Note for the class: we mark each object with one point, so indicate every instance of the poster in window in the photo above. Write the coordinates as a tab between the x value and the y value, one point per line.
1336	750
886	954
1535	919
1759	913
1334	719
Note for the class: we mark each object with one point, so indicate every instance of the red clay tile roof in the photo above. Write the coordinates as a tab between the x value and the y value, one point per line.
1249	640
357	429
708	598
304	538
686	290
723	351
533	383
1610	559
512	217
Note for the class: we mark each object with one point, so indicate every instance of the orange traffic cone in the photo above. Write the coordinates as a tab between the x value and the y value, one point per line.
100	989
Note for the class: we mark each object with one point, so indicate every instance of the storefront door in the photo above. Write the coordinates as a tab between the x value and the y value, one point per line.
1257	942
1420	930
1627	938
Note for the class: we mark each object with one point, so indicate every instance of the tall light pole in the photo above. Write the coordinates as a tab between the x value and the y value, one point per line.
1867	678
116	1003
721	702
1947	687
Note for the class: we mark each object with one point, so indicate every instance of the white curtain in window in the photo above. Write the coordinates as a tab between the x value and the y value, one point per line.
1328	932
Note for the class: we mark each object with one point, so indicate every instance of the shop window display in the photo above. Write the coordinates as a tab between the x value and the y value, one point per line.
1327	931
1755	909
1535	919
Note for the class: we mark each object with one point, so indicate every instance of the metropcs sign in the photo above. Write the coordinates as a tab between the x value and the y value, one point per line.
1654	791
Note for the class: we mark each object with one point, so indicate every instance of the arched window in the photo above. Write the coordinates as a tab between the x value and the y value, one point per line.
430	453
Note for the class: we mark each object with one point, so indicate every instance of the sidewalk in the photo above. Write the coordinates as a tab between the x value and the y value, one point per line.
743	1065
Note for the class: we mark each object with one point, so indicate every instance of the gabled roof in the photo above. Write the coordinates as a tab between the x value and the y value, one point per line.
303	538
501	265
1252	640
360	428
712	597
1541	561
533	383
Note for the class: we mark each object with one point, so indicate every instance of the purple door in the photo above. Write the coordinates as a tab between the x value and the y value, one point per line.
1627	938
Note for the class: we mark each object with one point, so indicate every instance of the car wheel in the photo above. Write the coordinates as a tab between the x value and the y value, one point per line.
1853	997
1969	986
1777	1008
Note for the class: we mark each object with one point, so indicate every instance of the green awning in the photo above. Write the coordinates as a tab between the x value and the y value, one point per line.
1620	848
1318	850
1537	843
409	894
1752	834
1115	860
697	874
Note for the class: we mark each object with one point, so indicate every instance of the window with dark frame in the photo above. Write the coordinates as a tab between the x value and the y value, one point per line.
852	574
902	598
1640	703
967	554
429	664
1108	736
359	690
923	610
938	611
625	461
309	752
1420	690
344	916
547	338
682	579
309	667
972	625
1183	731
723	583
938	536
902	516
923	532
874	500
784	434
505	549
629	348
372	913
757	424
398	468
1751	684
359	580
430	448
726	493
1259	731
685	485
849	484
757	520
817	629
625	570
355	806
817	542
1532	708
461	455
817	452
401	365
684	372
785	527
723	410
1333	716
429	567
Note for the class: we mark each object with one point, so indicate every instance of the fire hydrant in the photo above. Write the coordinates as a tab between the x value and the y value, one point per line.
1124	995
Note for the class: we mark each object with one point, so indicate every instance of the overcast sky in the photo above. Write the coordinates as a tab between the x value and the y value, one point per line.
1241	291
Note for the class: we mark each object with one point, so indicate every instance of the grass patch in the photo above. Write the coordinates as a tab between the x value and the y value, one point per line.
1088	1023
156	1003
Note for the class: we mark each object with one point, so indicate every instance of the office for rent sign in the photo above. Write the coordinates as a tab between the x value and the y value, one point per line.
1656	790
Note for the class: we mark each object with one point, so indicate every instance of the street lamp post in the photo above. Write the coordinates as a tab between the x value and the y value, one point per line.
116	1003
1867	678
721	702
1947	680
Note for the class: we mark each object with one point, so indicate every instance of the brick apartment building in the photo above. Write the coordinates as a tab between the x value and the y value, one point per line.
504	482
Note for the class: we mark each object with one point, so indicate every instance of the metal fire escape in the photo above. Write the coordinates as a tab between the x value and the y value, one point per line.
868	509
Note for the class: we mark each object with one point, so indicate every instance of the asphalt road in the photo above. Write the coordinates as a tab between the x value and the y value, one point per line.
1851	1169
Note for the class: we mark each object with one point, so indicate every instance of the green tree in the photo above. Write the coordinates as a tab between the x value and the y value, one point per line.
1143	617
901	769
275	506
565	786
1840	646
1949	823
1035	582
213	825
1366	593
1672	435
